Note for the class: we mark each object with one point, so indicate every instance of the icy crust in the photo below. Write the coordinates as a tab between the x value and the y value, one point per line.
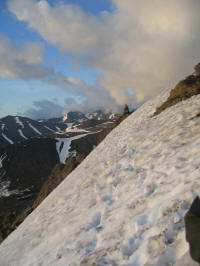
124	205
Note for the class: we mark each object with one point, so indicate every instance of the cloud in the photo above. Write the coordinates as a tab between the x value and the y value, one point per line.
45	109
21	62
92	97
144	45
27	62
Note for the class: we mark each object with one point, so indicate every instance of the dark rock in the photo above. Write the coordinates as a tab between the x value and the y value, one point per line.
197	70
184	90
126	110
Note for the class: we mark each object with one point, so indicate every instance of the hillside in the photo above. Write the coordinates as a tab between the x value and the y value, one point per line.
32	168
124	205
15	129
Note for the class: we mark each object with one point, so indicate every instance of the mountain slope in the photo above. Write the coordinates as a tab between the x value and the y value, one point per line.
124	205
17	128
31	169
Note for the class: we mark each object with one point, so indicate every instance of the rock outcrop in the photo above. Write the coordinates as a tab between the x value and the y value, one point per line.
185	89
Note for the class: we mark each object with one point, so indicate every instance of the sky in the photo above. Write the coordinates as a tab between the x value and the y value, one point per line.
62	55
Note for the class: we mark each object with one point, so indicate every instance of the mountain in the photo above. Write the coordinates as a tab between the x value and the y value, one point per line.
125	203
32	168
17	128
70	117
101	115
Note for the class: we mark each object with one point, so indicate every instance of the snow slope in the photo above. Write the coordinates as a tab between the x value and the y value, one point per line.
124	205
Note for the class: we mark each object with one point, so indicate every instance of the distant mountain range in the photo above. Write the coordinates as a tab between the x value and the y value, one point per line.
17	128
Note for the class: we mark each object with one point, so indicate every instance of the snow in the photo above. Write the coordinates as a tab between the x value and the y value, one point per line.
186	261
2	126
112	116
81	120
19	122
35	129
4	191
6	138
2	157
22	134
89	116
4	184
65	117
49	128
63	147
76	130
125	203
58	128
70	124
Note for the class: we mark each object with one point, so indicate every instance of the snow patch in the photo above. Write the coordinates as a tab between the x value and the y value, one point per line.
2	126
6	138
58	128
76	130
4	191
63	147
35	129
112	116
19	122
22	134
65	117
2	157
49	128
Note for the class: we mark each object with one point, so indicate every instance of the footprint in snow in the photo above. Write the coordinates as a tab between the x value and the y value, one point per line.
130	245
95	222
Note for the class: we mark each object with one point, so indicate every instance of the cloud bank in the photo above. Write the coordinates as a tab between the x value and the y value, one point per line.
22	62
146	45
26	62
45	109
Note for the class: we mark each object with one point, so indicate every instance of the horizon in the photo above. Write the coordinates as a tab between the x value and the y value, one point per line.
61	116
61	55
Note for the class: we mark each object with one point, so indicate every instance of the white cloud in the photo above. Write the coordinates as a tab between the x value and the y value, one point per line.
142	44
21	62
27	62
92	98
45	109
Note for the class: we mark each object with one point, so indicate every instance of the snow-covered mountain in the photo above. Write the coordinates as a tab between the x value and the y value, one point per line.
101	115
124	205
70	117
17	128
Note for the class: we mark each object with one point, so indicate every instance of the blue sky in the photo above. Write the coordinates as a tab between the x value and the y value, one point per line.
17	95
83	55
